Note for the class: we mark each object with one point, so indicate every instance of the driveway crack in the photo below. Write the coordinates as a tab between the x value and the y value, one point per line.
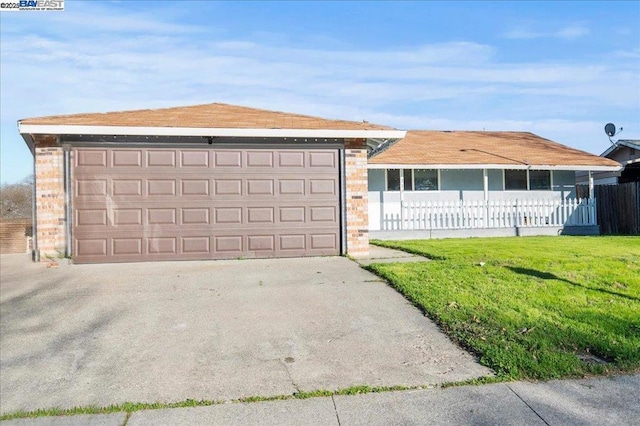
293	382
335	408
525	403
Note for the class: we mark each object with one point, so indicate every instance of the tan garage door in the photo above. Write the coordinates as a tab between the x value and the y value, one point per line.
172	204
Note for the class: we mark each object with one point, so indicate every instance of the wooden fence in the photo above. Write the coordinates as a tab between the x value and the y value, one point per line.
618	207
14	235
492	214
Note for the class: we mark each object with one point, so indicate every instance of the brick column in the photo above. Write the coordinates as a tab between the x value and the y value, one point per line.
50	202
356	195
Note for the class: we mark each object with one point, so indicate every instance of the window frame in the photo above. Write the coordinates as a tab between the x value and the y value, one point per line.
550	180
386	180
504	180
427	190
403	179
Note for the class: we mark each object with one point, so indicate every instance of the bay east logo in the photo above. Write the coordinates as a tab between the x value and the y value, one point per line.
22	5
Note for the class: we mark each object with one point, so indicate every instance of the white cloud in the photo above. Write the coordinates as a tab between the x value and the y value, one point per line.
79	64
569	32
572	32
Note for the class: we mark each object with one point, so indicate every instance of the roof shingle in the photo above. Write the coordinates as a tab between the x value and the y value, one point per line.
425	147
214	115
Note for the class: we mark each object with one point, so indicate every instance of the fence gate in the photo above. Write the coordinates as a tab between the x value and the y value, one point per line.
618	207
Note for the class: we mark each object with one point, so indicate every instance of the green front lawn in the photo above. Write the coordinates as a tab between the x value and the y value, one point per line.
538	307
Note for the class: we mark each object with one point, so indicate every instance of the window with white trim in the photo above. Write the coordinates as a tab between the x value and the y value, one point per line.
414	179
540	180
515	180
524	180
425	179
393	179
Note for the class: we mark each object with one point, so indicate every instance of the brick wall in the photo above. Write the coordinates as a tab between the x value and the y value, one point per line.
356	194
50	205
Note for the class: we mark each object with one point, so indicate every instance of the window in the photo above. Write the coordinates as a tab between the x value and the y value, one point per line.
515	180
540	179
393	180
408	180
425	180
523	180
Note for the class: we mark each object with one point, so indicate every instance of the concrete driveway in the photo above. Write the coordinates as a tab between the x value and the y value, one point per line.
218	330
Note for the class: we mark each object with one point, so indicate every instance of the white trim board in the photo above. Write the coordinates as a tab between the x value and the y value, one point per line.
206	131
496	167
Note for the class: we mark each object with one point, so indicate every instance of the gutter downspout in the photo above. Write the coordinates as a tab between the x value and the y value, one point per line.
35	253
67	199
402	199
485	184
343	202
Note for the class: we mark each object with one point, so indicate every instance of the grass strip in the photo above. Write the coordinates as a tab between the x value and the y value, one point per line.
530	308
130	407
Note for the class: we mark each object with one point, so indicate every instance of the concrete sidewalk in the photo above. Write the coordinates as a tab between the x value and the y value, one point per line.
601	401
378	254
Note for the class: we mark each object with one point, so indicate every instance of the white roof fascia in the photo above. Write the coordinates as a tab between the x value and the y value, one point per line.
616	145
206	131
496	166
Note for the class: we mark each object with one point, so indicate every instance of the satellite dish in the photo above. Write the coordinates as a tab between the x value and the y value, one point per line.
610	129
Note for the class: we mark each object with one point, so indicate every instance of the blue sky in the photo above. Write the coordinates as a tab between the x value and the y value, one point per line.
559	69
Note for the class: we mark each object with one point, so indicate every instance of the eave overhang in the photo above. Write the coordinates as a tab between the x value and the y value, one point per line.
568	167
376	136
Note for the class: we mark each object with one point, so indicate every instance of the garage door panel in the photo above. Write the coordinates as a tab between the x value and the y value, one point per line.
323	214
196	245
260	215
260	187
161	216
91	217
323	187
323	241
191	187
292	214
90	187
227	215
229	244
162	245
160	158
291	186
261	159
292	242
126	187
126	158
161	187
91	247
195	216
261	242
228	159
168	204
92	158
323	160
228	187
127	216
126	246
291	159
194	158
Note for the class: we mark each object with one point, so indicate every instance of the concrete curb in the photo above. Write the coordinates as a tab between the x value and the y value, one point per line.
602	401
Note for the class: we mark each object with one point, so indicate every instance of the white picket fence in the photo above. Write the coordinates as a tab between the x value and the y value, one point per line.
492	214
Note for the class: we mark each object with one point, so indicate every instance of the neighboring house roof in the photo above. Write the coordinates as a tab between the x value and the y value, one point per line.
492	150
623	143
205	120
